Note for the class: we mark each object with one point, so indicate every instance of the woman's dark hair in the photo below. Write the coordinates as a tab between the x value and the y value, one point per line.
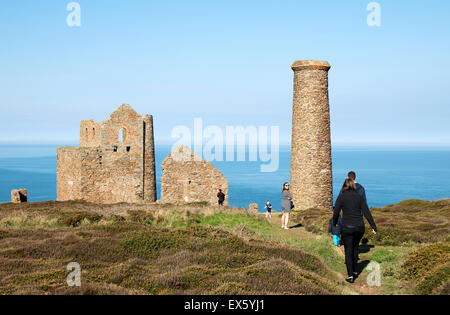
284	186
349	184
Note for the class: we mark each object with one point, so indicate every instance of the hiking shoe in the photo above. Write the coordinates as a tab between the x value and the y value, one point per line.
350	279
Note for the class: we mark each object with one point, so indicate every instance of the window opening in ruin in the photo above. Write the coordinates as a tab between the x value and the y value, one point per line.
128	149
115	148
93	133
86	135
122	134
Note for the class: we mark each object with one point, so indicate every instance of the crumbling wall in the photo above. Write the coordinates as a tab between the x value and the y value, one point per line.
68	172
90	133
188	178
116	161
19	195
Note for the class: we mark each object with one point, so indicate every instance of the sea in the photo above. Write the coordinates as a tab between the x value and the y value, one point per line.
390	174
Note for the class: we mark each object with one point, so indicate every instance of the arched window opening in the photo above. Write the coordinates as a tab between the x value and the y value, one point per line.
122	135
93	133
86	134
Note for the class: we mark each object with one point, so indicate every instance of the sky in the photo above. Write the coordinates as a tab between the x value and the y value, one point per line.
227	62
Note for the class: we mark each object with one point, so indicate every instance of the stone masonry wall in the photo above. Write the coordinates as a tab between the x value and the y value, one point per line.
68	176
90	134
112	168
19	195
188	178
311	166
110	177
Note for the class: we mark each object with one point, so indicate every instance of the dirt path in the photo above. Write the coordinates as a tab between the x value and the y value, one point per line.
298	232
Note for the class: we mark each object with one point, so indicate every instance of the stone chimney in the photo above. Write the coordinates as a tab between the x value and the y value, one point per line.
311	166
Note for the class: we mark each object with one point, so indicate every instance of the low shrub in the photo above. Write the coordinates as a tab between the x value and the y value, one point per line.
75	219
434	280
443	289
140	216
410	221
423	260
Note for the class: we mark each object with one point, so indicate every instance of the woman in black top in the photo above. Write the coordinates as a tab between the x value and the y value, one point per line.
354	207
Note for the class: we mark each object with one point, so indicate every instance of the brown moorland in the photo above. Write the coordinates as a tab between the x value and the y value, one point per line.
154	249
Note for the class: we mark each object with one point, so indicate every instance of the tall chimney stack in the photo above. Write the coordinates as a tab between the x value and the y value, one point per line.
311	166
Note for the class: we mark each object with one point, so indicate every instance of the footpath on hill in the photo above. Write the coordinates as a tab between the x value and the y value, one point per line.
322	246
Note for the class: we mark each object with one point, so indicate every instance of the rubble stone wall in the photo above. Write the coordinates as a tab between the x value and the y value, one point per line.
187	178
115	162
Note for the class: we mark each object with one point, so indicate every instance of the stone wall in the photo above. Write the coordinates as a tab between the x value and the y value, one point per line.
89	133
188	178
253	208
115	162
311	166
19	195
68	174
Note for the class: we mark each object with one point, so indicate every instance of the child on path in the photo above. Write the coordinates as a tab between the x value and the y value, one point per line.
268	208
336	231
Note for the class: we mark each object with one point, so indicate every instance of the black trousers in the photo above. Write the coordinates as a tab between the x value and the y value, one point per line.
351	237
221	202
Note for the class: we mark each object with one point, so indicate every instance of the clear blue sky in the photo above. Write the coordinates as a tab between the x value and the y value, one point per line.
227	62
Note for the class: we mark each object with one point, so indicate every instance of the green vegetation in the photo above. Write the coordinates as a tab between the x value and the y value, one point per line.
198	249
429	268
402	246
407	223
130	249
425	259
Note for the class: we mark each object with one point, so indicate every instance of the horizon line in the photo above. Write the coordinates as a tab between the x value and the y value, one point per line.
281	143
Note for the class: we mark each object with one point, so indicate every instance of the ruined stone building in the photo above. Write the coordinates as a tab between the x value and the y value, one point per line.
188	178
19	195
311	172
114	163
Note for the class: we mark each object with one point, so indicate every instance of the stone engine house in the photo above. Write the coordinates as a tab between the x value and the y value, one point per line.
188	178
115	161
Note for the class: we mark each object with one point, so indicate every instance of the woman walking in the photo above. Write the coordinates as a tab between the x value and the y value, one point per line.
354	207
286	206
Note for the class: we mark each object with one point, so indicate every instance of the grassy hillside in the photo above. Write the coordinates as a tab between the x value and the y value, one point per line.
126	249
409	222
412	245
196	249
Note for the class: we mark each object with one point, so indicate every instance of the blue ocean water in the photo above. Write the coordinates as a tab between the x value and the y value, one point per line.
389	174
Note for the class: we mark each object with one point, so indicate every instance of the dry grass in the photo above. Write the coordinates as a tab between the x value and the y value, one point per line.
198	249
411	221
429	268
148	249
412	245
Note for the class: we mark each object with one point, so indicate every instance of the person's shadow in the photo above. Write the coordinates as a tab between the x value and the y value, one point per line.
365	247
362	265
296	226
